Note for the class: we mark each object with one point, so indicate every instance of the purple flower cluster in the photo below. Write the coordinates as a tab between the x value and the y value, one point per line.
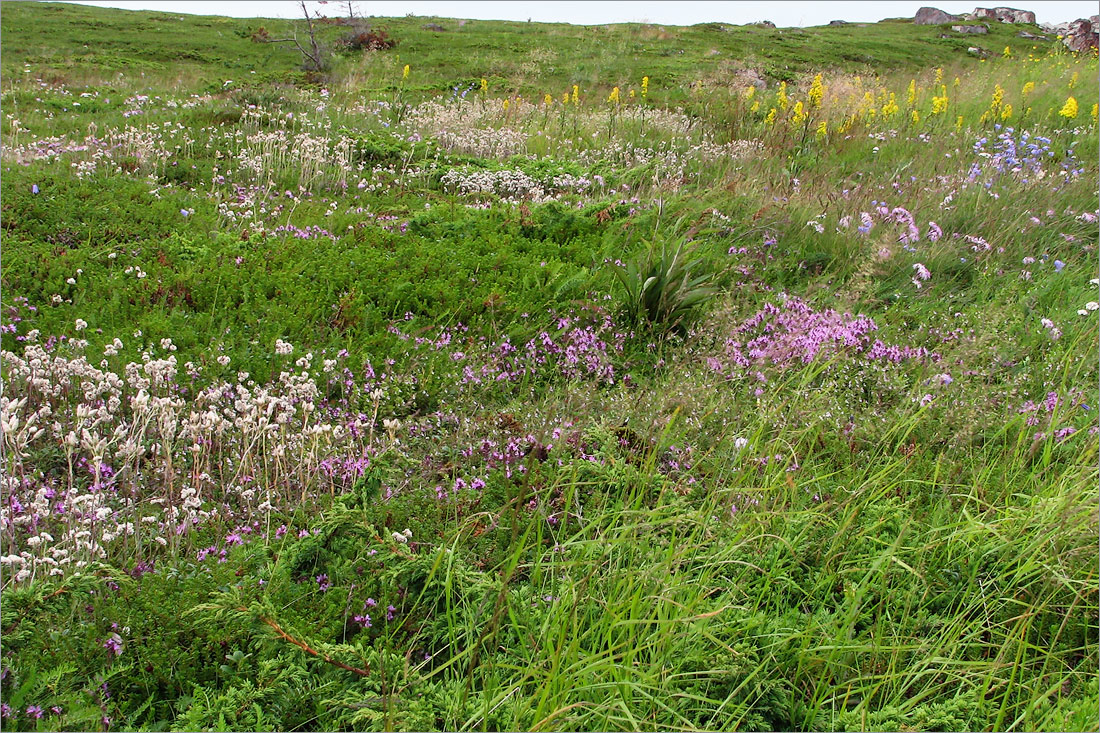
796	333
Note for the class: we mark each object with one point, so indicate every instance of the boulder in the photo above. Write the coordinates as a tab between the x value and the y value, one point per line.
979	52
976	29
838	22
1032	36
933	16
765	24
1081	35
1003	15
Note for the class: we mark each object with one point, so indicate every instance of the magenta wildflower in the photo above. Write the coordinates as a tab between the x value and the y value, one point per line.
34	711
363	620
323	582
114	644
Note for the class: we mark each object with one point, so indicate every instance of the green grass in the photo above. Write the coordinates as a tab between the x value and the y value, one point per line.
820	492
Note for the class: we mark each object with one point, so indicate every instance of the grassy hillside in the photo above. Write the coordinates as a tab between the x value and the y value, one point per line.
531	376
518	58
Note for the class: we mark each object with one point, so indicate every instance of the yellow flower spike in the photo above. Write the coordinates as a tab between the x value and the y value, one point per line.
939	75
998	97
1095	111
956	82
781	96
1069	110
547	100
632	94
1073	80
405	72
576	95
912	94
916	117
614	96
484	85
750	92
505	105
959	124
1006	113
798	113
756	106
1028	88
645	86
891	107
822	130
1007	52
770	119
817	92
939	104
565	98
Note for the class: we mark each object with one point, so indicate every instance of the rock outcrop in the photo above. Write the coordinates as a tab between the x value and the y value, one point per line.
1078	35
933	16
1003	15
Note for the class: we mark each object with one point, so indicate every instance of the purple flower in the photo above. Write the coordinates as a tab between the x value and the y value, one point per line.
56	710
390	613
5	710
370	602
34	711
323	582
34	188
114	644
1058	265
185	213
363	621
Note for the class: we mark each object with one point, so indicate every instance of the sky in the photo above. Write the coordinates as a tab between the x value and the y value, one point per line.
594	12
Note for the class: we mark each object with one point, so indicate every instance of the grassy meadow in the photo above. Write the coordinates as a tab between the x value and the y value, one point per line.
530	376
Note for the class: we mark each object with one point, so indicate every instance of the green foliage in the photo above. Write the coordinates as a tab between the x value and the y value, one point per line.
664	288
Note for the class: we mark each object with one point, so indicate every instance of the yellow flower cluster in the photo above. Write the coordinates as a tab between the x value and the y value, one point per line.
614	96
645	86
816	93
891	107
939	104
798	114
781	96
1069	110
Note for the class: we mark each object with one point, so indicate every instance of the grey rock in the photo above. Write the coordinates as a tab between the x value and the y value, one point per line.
838	22
1003	15
1033	36
979	52
933	16
974	29
1081	35
433	27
